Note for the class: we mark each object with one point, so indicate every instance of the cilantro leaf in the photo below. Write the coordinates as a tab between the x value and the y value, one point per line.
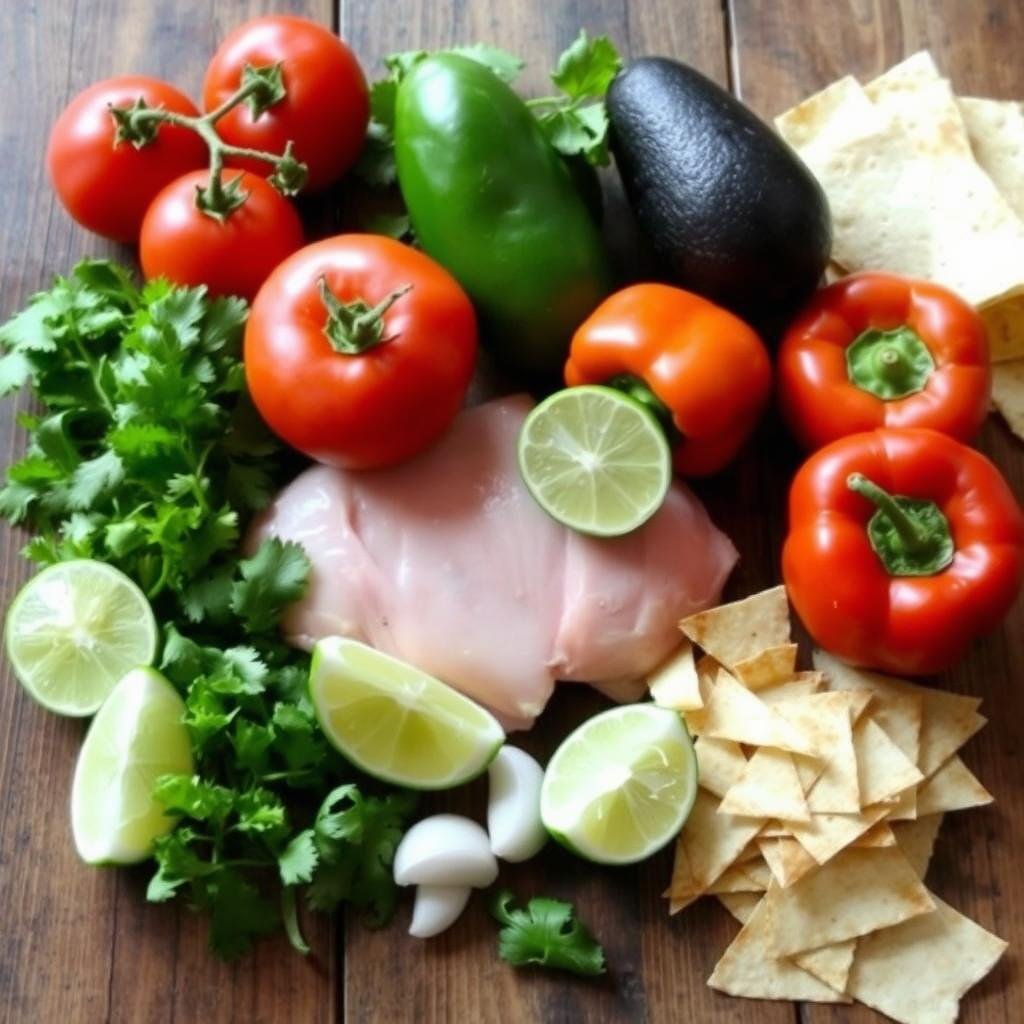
299	858
586	67
273	578
546	933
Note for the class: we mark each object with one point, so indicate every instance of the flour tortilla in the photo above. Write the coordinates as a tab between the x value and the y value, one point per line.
772	665
768	788
1008	391
952	788
742	629
883	770
917	840
674	684
720	764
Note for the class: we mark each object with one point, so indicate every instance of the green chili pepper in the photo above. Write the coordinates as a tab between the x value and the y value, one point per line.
492	201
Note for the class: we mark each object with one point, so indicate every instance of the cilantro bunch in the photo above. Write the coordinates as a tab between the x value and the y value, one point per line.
146	453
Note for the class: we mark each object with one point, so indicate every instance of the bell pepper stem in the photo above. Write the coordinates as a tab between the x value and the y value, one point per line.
911	536
355	327
640	391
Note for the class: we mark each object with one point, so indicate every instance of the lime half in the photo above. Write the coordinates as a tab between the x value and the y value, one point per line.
622	785
396	722
74	630
595	460
137	736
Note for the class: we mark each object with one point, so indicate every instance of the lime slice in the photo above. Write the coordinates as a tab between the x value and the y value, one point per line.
622	785
396	722
74	630
595	460
137	736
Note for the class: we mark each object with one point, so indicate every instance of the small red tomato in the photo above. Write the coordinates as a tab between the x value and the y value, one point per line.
326	106
231	257
106	184
359	350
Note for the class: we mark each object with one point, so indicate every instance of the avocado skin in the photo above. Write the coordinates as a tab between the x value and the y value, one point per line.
729	209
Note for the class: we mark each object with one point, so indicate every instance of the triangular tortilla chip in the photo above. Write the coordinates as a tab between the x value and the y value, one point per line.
748	968
952	788
996	131
709	843
740	904
742	629
830	964
1008	391
917	971
736	879
883	770
674	683
800	684
917	840
735	713
856	893
787	860
772	665
903	809
826	834
720	764
768	788
876	837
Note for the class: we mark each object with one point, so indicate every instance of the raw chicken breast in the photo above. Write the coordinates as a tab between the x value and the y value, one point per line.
447	562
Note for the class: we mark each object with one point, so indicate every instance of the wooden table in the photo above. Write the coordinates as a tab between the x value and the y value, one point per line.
82	945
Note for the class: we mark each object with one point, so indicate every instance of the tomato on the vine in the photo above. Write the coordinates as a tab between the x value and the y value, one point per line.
324	111
232	254
359	350
104	182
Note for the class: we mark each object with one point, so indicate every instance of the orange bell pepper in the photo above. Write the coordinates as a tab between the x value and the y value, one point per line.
878	350
903	546
700	369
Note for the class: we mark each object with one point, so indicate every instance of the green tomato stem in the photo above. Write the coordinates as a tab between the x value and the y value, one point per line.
355	327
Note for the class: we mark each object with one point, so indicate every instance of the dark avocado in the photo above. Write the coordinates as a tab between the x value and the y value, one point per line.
729	209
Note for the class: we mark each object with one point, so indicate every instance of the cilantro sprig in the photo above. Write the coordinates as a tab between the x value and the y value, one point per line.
147	454
546	933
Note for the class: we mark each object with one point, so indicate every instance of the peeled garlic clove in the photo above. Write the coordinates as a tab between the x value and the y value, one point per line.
437	907
513	809
448	850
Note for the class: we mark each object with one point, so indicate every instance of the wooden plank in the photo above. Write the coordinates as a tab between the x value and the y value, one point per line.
657	966
784	50
80	944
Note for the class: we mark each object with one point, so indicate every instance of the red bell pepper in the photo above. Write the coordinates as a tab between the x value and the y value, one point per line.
701	370
878	350
903	545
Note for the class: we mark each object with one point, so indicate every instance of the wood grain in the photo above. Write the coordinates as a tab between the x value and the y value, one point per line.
79	944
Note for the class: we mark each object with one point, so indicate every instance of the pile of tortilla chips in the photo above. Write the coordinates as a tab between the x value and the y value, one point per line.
821	795
925	183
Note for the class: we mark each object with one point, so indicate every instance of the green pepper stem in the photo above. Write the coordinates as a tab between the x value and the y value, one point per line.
913	538
891	364
355	327
641	392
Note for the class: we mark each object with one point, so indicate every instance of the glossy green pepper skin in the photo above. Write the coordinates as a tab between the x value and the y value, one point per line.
492	201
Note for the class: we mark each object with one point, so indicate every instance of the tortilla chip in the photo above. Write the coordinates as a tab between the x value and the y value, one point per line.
996	132
952	788
748	968
737	879
876	837
905	807
911	202
1004	324
918	99
674	683
825	835
825	720
833	272
800	684
740	904
787	860
709	843
768	788
858	892
774	830
772	665
1008	392
830	964
735	713
917	840
743	629
883	770
917	971
720	764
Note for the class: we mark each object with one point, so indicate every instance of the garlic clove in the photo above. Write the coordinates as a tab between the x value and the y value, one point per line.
513	808
446	850
437	908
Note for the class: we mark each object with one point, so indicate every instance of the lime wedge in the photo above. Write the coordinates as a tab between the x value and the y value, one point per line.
137	736
74	630
595	460
397	723
622	785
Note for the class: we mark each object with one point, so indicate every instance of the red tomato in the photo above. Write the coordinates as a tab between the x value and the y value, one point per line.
405	373
326	108
106	185
189	247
